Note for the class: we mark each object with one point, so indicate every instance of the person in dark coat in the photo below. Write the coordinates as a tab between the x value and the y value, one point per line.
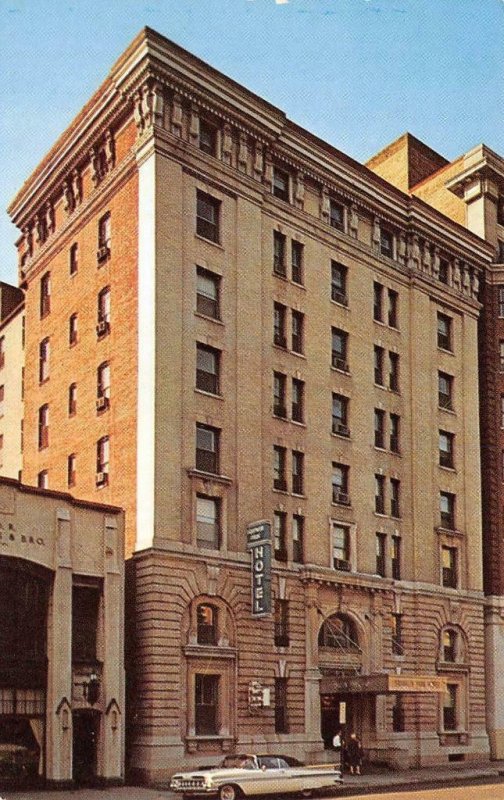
353	754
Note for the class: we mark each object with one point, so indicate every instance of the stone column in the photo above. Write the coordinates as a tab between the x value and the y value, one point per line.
494	659
59	658
312	674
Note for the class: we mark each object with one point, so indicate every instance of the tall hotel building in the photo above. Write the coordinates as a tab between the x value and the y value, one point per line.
243	324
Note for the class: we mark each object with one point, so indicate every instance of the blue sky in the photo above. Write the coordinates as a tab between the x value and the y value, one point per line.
358	73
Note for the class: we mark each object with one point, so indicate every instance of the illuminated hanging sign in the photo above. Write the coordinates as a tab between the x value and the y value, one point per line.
259	543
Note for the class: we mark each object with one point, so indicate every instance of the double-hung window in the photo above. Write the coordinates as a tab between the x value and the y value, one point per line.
207	448
207	368
339	349
339	275
208	216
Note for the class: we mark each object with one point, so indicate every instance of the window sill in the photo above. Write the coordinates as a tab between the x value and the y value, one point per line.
445	408
448	738
339	304
209	651
449	531
73	344
208	394
445	350
281	275
299	423
208	317
448	469
208	241
340	371
208	476
452	666
298	494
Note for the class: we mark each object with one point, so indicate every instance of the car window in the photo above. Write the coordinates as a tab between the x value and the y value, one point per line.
268	762
282	763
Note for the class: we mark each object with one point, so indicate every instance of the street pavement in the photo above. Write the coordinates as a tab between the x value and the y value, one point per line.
410	784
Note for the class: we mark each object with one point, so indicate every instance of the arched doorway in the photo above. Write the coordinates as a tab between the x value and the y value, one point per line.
340	657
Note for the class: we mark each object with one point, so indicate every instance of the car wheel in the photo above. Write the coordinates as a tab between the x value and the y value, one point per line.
229	792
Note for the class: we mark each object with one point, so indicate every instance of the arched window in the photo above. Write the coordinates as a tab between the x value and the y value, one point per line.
206	617
449	646
339	632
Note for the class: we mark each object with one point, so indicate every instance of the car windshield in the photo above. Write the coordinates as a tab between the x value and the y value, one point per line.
241	762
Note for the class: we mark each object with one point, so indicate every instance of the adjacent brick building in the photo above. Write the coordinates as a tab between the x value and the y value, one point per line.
12	326
245	324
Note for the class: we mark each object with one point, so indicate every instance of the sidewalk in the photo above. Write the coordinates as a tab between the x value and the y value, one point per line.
377	780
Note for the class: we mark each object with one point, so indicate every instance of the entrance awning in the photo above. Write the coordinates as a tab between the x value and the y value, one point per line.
381	684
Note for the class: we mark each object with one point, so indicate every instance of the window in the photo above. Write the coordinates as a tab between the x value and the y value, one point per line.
339	275
379	428
72	330
297	332
449	577
297	251
445	391
43	426
279	479
450	708
207	138
279	535
336	215
501	355
208	525
379	355
297	400
279	392
207	293
340	415
206	624
501	302
446	449
395	430
2	399
206	689
339	632
447	510
279	318
397	645
396	558
73	259
103	386
43	479
380	494
279	242
502	410
298	538
85	616
377	302
444	271
104	236
381	548
444	332
207	216
207	448
280	184
102	461
103	323
398	722
394	372
500	251
395	497
207	369
71	470
449	645
72	399
339	349
281	707
340	474
44	352
341	546
281	623
386	243
45	294
297	472
393	303
2	352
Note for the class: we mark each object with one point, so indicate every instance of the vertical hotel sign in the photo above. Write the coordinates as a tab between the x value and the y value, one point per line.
259	543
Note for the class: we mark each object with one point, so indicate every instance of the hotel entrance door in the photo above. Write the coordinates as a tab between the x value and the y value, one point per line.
85	736
338	712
